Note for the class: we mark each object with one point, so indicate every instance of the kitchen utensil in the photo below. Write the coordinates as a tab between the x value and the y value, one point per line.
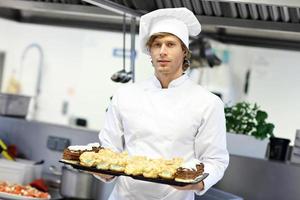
74	183
122	76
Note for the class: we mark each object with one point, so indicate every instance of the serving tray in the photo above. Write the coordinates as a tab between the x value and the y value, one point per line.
139	177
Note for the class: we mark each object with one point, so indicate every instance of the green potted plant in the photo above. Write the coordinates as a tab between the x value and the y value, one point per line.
247	128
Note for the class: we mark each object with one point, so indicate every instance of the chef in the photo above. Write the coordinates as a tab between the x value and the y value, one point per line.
167	115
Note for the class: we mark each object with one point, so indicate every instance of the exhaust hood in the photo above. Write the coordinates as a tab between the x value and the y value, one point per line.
68	13
265	23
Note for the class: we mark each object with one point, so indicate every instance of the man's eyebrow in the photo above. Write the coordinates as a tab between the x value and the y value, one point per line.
168	40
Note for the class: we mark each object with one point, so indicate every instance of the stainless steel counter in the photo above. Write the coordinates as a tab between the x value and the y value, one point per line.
261	179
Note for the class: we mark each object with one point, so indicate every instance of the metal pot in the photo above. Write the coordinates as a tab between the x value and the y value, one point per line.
75	184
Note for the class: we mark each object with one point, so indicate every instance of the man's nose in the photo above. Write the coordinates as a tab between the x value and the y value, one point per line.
163	50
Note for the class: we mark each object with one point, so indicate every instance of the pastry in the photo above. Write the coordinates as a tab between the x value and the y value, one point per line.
136	165
119	162
104	157
169	168
88	159
153	168
72	153
189	171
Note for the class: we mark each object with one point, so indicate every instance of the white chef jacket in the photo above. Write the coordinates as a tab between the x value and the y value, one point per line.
183	120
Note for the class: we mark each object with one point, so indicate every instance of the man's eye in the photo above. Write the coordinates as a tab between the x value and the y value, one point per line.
170	44
156	45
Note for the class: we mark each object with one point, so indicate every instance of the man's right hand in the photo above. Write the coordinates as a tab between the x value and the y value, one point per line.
106	177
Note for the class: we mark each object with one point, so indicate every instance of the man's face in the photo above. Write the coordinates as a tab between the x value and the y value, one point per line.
167	56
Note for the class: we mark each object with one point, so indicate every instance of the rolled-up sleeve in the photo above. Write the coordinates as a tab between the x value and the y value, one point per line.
210	144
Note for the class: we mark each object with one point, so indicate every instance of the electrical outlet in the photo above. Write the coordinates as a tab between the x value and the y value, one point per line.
62	144
51	143
57	143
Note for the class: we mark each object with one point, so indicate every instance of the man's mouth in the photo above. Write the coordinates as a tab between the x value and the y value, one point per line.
163	61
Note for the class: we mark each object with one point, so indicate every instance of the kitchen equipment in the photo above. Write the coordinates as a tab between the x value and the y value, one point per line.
74	183
202	52
35	99
20	171
122	76
295	157
278	148
14	105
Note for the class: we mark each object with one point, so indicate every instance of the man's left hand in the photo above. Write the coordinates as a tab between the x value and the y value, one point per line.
199	186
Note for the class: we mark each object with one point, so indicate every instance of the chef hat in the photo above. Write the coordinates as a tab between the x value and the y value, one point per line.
177	21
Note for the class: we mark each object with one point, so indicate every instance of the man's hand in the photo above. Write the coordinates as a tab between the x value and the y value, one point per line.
106	177
199	186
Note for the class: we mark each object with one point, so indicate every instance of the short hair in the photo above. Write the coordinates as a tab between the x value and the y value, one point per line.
186	60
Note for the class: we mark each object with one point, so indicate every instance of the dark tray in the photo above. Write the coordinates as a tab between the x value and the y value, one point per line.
139	177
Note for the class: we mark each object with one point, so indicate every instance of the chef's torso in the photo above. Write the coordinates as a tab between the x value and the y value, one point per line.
159	123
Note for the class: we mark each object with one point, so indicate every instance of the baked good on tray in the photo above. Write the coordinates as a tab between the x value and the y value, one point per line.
189	171
119	162
93	155
153	168
172	169
169	168
136	165
72	153
105	159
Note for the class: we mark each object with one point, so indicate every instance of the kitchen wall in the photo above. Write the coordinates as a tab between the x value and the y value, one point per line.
78	64
77	67
274	84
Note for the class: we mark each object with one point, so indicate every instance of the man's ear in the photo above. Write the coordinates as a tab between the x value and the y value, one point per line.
185	53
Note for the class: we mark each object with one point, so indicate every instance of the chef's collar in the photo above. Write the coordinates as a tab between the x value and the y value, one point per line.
174	83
